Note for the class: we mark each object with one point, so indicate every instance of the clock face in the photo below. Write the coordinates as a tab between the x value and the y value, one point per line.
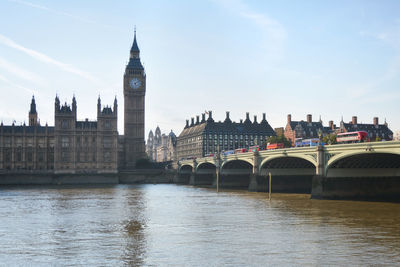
135	83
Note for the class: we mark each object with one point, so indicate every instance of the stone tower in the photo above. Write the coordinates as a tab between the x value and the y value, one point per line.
33	119
134	100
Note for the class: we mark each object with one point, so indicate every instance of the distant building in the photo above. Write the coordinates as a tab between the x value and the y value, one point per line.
200	138
74	146
303	129
161	147
71	146
397	136
374	130
27	147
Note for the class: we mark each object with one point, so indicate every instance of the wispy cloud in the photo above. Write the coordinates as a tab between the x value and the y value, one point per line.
275	33
46	59
14	85
78	18
20	72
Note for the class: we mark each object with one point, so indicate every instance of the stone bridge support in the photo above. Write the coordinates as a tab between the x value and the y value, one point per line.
192	178
253	184
316	187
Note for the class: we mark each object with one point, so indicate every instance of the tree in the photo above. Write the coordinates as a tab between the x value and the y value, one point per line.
329	139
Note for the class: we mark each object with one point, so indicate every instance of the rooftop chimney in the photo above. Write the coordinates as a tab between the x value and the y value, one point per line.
192	122
203	117
247	120
210	119
354	120
309	118
255	118
187	124
241	120
376	121
264	117
197	119
331	125
227	119
289	118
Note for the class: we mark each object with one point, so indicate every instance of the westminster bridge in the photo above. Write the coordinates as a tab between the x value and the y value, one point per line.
356	171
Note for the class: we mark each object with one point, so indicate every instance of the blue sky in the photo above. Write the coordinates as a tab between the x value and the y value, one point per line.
327	58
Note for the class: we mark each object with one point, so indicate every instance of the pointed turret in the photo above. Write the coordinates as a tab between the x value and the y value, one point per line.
33	113
74	105
135	48
98	106
134	60
57	104
33	106
115	106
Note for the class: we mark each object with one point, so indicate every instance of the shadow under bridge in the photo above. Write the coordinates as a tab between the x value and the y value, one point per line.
289	175
235	174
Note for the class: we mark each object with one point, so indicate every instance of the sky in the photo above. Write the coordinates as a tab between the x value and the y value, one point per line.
334	59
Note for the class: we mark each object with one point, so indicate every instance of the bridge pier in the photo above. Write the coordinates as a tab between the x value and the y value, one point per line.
316	188
253	184
192	179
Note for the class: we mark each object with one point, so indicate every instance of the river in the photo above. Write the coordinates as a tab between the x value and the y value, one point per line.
171	225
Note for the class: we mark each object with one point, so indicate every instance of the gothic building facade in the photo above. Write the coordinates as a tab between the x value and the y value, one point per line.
161	147
74	146
134	97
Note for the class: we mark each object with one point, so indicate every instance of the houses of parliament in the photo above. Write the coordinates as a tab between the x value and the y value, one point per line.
73	146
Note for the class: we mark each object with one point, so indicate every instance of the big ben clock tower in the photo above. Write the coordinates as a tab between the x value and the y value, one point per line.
134	94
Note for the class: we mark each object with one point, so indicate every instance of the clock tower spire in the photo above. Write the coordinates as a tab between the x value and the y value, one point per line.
134	106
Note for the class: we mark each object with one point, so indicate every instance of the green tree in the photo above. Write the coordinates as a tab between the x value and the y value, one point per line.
329	139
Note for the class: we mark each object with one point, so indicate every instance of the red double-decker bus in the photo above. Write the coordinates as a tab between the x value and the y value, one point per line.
352	137
275	146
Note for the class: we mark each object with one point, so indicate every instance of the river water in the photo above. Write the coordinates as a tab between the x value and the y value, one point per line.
170	225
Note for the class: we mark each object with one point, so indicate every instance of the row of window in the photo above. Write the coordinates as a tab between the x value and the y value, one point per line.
29	142
223	137
85	157
107	141
40	156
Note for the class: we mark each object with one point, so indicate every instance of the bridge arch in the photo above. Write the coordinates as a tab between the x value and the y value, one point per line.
306	159
186	168
364	159
206	166
290	174
236	173
367	175
241	163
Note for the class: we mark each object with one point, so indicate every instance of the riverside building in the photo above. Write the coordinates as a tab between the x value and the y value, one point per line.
74	146
205	136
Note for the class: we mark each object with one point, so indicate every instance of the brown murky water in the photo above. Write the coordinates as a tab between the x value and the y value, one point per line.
159	225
